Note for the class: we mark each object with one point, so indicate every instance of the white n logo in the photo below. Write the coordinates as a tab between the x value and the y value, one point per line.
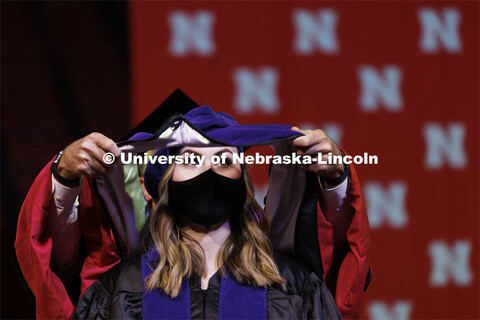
380	87
256	89
434	30
445	145
386	205
450	262
379	310
191	33
315	31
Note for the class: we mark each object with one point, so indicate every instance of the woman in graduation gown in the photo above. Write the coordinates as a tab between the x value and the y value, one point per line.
207	253
317	215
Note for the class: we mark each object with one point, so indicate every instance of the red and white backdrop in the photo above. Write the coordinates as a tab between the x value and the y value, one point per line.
398	80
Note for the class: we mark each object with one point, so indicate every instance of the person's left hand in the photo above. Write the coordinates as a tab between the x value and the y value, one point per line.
313	142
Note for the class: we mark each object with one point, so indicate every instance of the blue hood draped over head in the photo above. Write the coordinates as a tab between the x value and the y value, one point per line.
196	127
220	128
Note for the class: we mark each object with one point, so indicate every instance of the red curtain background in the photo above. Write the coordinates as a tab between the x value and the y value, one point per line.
396	79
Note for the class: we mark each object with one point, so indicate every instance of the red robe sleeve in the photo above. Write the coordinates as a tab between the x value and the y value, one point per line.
344	242
33	246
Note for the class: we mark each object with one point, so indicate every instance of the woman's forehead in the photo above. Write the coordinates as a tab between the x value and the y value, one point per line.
210	149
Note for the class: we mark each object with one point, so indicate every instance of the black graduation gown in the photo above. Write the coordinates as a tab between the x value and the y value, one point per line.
117	294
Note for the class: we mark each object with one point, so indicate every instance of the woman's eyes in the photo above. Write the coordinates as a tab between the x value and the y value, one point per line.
226	159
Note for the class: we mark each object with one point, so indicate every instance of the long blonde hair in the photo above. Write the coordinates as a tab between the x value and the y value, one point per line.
247	251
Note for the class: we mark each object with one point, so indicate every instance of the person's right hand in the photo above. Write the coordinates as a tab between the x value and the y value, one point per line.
84	157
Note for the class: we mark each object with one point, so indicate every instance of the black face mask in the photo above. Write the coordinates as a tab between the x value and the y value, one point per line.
208	198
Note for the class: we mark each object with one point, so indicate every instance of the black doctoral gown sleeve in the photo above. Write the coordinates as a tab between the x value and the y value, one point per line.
306	296
94	303
117	294
321	304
